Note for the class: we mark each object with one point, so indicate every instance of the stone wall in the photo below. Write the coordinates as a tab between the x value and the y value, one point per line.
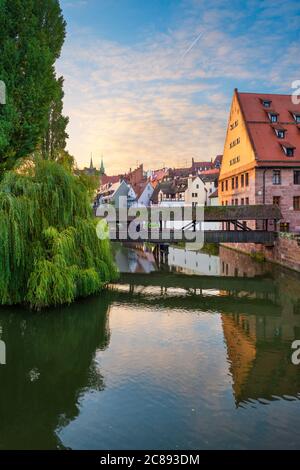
286	250
286	191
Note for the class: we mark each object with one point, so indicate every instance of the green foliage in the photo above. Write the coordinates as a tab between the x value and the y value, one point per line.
258	256
54	141
32	33
91	182
49	250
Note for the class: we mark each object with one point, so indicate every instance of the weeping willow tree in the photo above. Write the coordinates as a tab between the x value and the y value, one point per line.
49	250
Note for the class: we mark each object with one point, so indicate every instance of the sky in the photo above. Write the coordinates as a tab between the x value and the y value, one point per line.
151	81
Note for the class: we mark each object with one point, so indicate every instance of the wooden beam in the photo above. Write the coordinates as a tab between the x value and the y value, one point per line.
209	236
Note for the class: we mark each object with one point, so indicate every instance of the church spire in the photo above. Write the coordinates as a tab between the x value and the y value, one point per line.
91	164
102	169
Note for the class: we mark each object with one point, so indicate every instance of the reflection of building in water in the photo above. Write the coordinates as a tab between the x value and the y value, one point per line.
260	357
194	262
233	263
135	261
259	346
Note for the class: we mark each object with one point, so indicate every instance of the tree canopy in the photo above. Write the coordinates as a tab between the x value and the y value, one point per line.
32	33
49	250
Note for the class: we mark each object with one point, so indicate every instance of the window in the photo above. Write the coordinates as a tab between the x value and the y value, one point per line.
276	177
273	117
235	160
297	117
288	150
235	124
247	201
237	182
226	185
236	202
297	177
222	186
232	183
276	200
284	227
280	133
243	181
232	202
247	179
242	201
266	103
226	203
197	186
296	203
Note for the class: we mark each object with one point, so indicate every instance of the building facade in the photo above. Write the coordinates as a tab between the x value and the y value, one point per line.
261	161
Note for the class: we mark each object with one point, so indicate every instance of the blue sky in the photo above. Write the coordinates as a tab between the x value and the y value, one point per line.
151	81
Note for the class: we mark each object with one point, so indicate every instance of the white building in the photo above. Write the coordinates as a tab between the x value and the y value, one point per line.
119	194
194	262
199	190
143	192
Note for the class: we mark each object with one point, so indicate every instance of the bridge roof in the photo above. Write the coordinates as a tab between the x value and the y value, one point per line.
211	213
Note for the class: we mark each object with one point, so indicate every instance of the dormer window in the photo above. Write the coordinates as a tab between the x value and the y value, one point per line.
279	131
297	117
273	116
288	149
266	103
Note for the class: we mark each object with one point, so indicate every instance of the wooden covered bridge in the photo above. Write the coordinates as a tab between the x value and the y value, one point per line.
236	224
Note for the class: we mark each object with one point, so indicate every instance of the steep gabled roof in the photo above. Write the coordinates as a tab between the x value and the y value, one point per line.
261	131
109	179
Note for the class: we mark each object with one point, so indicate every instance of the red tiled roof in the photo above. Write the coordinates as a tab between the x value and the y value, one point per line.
214	171
109	179
286	144
140	187
158	175
279	127
214	194
218	159
202	164
264	139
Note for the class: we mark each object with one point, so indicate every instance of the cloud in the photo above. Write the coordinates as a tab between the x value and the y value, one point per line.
161	101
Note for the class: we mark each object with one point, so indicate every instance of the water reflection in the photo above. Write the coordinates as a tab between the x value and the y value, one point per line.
49	365
158	361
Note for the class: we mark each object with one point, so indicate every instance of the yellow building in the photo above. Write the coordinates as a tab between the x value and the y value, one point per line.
261	161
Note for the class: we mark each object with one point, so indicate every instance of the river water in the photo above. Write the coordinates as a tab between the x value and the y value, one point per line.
195	353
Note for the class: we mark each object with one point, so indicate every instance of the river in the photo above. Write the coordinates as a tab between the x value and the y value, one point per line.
195	353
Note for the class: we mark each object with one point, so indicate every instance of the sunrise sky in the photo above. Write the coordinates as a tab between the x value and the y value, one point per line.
150	81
